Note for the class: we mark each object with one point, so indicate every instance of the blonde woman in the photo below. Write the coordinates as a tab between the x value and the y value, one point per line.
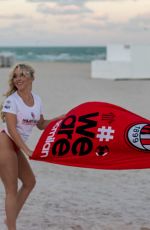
21	111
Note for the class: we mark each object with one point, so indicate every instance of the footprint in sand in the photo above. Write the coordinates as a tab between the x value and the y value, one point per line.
77	227
144	228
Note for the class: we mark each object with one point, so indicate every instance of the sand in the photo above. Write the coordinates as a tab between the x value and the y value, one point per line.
68	198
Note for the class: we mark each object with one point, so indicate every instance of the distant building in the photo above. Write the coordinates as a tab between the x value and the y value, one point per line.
123	62
7	59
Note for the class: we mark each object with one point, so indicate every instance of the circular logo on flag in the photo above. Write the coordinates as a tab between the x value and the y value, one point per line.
139	136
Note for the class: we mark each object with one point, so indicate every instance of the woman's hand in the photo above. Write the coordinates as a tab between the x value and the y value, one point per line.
42	123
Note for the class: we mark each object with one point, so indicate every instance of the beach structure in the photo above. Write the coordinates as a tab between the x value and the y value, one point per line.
7	59
123	62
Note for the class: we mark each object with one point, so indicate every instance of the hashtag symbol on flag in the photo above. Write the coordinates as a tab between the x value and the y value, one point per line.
105	133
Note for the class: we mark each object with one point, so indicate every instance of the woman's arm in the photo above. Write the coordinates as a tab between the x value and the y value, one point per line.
42	123
11	122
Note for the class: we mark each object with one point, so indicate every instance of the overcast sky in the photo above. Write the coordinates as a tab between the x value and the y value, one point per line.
74	22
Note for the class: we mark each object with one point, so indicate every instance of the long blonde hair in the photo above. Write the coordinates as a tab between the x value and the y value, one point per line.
23	68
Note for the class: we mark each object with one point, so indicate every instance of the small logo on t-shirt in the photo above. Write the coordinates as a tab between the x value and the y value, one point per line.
7	104
33	115
32	121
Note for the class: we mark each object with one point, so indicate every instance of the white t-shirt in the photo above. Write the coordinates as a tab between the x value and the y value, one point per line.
27	116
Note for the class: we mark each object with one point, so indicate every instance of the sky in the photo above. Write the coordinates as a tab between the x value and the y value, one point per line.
74	22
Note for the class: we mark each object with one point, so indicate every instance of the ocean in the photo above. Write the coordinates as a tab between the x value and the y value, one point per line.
59	54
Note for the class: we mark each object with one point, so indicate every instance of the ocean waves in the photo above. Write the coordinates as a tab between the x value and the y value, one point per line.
57	54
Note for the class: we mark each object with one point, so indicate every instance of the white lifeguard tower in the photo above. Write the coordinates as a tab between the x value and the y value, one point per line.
123	62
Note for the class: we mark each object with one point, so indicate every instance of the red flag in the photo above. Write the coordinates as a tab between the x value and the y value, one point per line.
97	135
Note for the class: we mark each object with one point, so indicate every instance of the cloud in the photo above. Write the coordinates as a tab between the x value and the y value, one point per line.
12	17
61	2
61	7
140	22
63	10
77	2
135	24
67	7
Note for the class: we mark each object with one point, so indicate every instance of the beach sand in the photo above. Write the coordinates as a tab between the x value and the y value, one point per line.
69	198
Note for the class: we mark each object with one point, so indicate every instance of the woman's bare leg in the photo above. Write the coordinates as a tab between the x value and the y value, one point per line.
23	172
27	178
9	175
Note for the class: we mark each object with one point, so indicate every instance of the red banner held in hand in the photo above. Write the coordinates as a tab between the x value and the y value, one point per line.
96	135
